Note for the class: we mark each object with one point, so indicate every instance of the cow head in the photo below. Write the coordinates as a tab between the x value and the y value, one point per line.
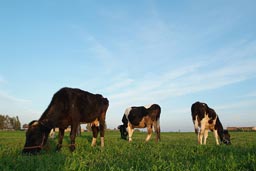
226	137
123	132
35	138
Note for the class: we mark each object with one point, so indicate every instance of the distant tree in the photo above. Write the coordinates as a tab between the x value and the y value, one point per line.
7	122
17	124
2	119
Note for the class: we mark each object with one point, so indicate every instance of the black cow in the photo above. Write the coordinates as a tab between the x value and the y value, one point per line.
68	107
205	119
141	117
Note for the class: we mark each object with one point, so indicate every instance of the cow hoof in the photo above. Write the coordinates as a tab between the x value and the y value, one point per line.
72	148
58	147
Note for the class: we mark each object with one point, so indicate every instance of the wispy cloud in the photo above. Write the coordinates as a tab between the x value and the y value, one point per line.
6	97
236	105
14	106
191	78
156	60
120	84
251	94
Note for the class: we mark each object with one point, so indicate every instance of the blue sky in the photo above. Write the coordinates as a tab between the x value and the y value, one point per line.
134	53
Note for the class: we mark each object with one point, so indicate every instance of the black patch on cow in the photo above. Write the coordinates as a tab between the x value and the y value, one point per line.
136	115
125	121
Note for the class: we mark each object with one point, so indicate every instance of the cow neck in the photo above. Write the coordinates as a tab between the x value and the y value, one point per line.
219	128
46	124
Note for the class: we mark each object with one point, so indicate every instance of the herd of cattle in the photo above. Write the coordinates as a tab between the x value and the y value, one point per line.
70	107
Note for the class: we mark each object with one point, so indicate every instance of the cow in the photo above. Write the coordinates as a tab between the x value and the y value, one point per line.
205	119
141	117
69	106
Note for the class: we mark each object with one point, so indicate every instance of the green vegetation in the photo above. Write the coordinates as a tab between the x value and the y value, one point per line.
176	151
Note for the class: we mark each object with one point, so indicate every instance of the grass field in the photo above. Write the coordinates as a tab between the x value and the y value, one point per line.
176	151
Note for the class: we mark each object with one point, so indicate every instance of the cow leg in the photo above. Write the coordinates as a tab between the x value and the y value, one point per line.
102	129
149	127
202	131
216	137
130	131
200	136
205	135
73	137
95	130
157	130
61	135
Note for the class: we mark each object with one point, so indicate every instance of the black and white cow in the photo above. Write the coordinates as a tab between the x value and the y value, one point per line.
141	117
205	119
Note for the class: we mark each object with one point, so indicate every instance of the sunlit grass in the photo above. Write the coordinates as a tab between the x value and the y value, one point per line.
176	151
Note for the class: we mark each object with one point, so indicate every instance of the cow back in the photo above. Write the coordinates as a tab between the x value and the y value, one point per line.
70	104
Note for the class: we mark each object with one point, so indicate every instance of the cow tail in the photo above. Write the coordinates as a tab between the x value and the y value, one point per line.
158	125
157	128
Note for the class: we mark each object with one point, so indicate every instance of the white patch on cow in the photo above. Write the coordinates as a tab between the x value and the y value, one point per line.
130	131
102	141
148	106
95	122
206	131
127	112
52	134
203	123
93	142
216	137
148	137
35	123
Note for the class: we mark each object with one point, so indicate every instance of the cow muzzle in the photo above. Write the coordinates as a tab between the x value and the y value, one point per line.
227	142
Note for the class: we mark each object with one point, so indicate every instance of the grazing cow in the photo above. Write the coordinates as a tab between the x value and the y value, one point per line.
141	117
205	119
68	107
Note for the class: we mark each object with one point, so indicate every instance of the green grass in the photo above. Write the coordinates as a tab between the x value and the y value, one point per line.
176	151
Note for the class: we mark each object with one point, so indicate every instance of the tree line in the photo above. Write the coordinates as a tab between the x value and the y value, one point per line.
9	123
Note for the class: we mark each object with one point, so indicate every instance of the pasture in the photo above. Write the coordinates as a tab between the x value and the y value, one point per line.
176	151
